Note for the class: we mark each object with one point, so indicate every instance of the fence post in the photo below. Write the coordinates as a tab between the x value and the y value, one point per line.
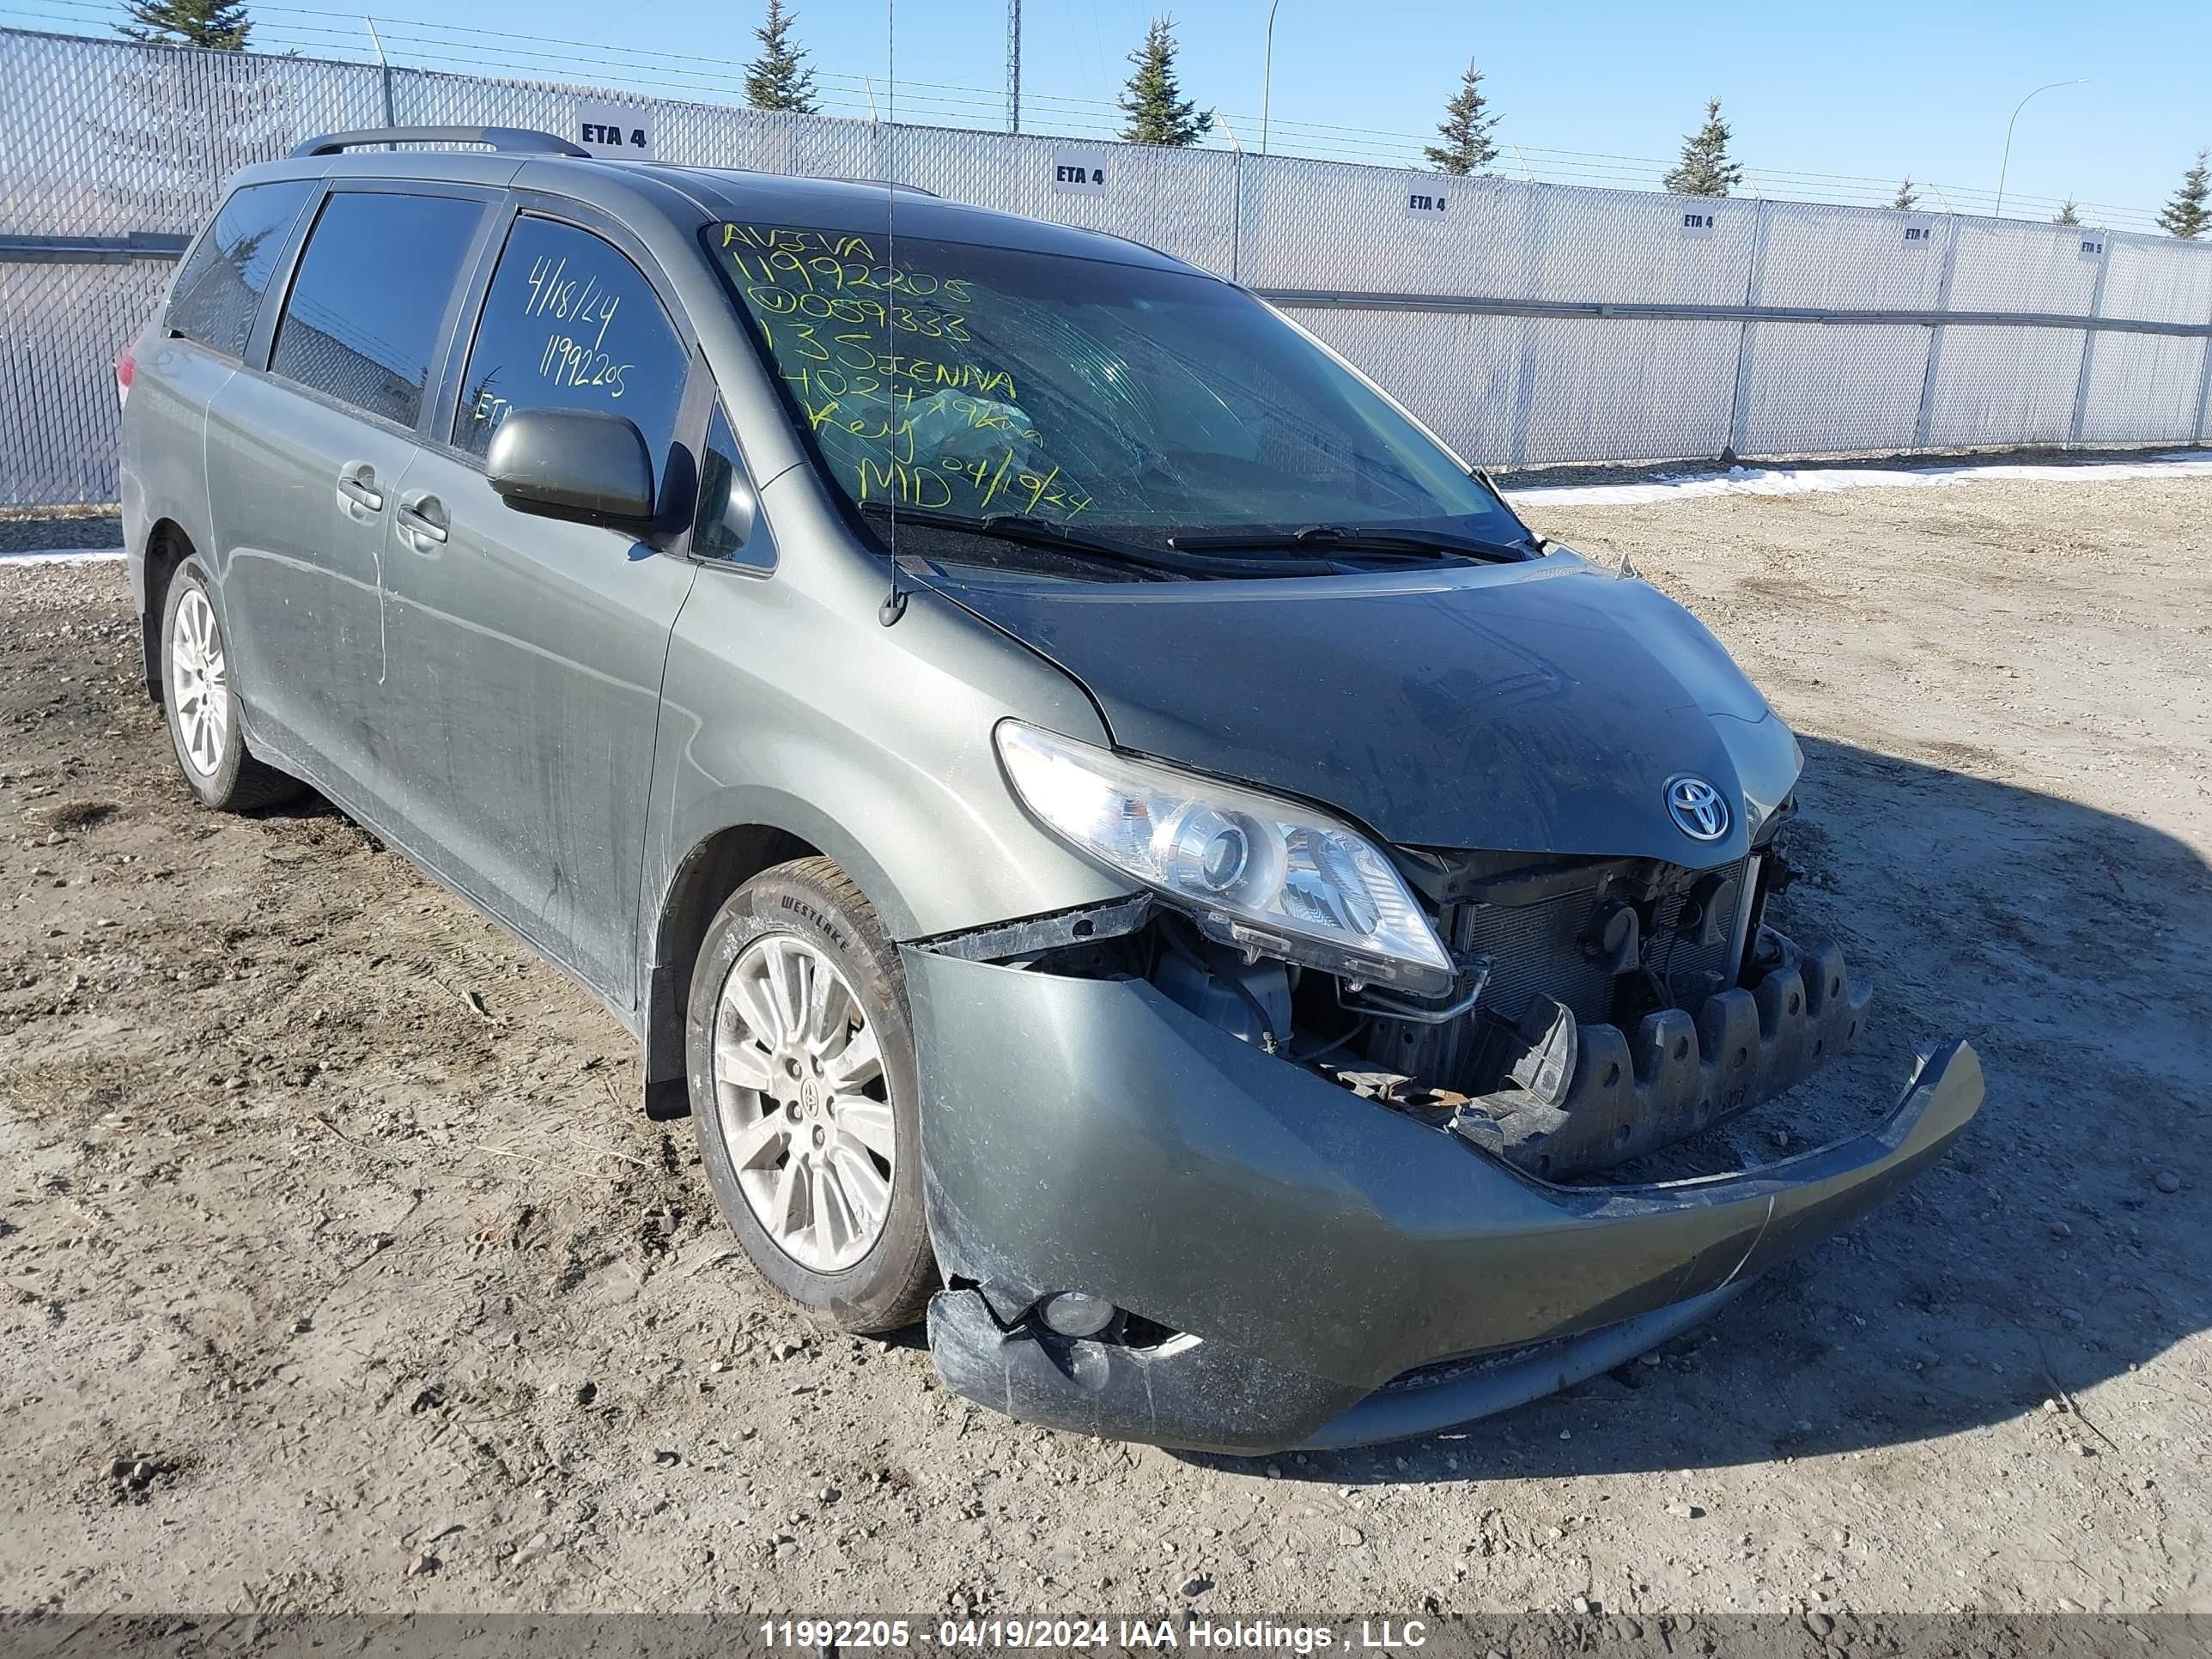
1235	212
2089	342
1923	423
1524	377
1753	281
2204	387
384	65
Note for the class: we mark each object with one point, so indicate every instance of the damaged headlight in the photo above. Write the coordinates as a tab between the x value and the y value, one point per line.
1266	875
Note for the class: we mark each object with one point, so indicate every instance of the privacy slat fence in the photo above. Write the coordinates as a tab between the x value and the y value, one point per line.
1527	323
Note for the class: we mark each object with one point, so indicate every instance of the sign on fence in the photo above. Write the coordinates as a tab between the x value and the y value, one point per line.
1078	175
614	132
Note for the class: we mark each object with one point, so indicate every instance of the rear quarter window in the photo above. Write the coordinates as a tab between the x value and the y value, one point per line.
218	293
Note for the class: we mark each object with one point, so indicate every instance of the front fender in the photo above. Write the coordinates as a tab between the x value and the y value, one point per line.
871	743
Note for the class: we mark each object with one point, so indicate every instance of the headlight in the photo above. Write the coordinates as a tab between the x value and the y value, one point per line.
1266	875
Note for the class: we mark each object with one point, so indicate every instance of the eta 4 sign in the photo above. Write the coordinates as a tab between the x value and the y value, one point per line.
613	131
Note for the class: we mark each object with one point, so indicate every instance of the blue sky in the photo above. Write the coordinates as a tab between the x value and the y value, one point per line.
1876	91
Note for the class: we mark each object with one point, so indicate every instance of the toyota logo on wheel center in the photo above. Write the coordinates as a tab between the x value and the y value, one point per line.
1697	809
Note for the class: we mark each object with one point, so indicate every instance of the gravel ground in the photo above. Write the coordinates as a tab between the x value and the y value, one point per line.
341	1274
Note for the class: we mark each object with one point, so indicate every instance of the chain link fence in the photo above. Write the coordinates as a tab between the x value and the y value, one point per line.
1527	323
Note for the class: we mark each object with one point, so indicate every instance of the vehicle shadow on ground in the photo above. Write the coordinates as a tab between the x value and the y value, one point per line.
2044	1254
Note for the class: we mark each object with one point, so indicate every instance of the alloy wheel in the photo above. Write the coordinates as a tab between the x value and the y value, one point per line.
199	683
801	1094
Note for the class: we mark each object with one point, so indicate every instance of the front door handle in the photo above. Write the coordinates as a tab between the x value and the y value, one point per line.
357	484
423	516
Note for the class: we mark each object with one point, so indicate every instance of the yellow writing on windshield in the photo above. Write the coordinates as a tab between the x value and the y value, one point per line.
873	351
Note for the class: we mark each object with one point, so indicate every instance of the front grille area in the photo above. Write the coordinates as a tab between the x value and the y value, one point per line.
1537	949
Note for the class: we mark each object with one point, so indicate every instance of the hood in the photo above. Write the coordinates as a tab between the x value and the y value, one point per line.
1540	708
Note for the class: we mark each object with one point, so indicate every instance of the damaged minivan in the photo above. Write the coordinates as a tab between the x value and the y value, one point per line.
1125	845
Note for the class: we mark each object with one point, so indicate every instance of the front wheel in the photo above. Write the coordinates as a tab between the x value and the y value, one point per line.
200	698
801	1061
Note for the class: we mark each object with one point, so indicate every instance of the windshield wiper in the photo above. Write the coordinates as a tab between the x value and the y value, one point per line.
1025	531
1325	539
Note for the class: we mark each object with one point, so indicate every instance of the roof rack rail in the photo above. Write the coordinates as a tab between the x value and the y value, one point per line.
515	141
885	184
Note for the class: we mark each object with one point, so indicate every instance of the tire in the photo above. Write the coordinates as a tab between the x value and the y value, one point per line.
199	695
813	1153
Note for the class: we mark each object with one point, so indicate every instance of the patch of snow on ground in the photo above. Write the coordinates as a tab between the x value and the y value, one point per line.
1806	481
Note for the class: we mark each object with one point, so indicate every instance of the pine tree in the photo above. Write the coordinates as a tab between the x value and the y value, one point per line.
2066	215
217	25
1907	198
2185	215
1158	111
1466	128
779	78
1706	169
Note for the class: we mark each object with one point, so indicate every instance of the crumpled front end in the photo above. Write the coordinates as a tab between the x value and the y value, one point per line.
1325	1214
1619	1005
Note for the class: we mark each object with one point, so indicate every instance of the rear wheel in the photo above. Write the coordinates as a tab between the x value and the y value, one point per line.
800	1060
200	698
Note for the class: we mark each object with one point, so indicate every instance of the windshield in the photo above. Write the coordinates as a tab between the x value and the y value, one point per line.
973	380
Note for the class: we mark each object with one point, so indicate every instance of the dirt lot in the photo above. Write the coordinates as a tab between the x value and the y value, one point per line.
340	1273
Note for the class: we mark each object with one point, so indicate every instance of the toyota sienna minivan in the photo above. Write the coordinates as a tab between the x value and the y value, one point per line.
1124	844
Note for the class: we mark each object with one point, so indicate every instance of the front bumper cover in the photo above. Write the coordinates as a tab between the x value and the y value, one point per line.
1324	1251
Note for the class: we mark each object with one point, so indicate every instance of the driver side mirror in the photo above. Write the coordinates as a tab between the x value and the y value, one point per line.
576	464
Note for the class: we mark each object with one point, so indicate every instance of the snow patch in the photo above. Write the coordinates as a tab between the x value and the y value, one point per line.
59	555
1813	480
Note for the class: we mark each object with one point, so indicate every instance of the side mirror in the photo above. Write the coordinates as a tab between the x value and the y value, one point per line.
575	464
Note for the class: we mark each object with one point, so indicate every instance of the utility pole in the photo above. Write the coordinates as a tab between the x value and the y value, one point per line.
1014	65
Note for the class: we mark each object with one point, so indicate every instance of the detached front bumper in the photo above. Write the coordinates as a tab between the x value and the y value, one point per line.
1321	1254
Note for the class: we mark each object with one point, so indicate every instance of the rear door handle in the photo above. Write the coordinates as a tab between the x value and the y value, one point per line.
357	484
422	516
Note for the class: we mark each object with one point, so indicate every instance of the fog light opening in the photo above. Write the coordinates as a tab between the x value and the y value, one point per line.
1076	1313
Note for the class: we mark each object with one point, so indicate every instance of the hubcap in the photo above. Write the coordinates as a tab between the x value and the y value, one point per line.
199	683
803	1102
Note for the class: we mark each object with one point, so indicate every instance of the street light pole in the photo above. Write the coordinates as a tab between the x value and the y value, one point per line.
1267	74
2005	165
1014	65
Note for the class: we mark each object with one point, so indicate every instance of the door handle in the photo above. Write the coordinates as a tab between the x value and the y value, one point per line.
423	515
357	484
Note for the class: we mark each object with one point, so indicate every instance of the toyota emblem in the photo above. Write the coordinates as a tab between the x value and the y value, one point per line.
1697	809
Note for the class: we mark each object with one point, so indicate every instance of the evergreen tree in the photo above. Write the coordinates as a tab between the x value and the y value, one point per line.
2066	215
2185	215
1466	128
1706	169
1907	198
1153	101
217	25
779	78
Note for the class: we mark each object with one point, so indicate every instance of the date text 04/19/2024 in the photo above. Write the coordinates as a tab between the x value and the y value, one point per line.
1207	1635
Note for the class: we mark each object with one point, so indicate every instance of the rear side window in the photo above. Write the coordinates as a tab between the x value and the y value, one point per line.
362	322
570	323
218	293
